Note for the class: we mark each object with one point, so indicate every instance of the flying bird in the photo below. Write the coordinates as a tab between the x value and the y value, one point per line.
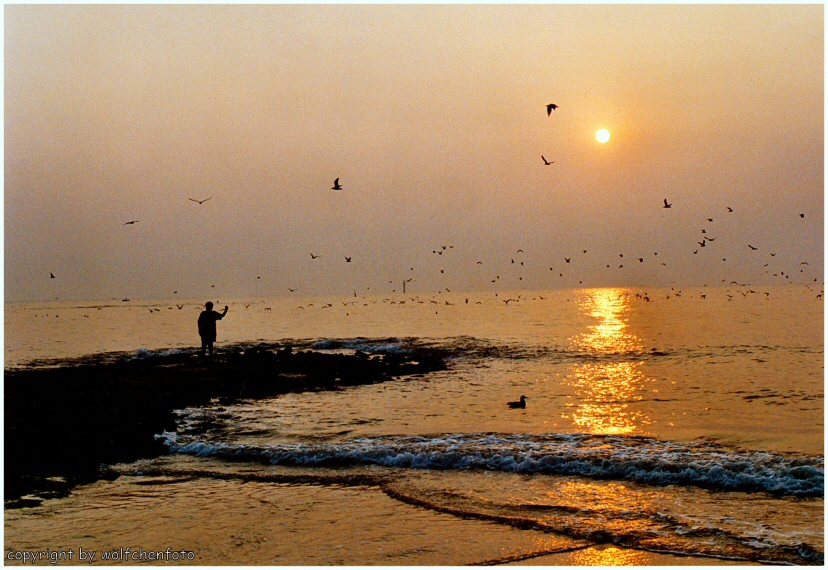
336	185
729	209
546	162
51	275
751	247
666	205
549	108
347	259
801	215
199	201
313	256
520	404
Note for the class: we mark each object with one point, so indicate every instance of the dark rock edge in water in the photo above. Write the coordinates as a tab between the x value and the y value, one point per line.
64	425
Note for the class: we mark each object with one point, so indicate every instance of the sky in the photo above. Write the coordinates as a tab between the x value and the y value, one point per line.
434	119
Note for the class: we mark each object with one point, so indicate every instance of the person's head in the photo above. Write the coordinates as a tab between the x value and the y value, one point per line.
209	305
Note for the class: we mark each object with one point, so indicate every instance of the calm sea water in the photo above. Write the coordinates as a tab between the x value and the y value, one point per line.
686	422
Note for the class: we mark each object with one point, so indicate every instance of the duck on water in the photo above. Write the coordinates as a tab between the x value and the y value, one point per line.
520	404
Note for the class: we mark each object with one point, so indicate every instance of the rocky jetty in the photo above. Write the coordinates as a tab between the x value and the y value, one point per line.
64	424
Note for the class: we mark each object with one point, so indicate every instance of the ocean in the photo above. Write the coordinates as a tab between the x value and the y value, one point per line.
662	426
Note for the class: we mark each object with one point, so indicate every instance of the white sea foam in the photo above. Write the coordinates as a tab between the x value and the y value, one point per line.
643	460
371	346
143	353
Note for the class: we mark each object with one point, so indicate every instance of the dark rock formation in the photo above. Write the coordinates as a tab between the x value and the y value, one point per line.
62	424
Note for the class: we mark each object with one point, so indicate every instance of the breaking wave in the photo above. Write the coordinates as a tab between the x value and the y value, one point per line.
639	459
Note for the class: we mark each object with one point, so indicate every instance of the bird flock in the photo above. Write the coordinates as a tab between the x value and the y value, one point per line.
563	267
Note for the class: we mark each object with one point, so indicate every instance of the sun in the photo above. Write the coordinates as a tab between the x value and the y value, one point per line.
602	136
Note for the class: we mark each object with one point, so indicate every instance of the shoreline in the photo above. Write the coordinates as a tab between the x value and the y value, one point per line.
63	425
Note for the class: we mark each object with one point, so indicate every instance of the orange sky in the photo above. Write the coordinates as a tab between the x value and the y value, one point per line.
434	119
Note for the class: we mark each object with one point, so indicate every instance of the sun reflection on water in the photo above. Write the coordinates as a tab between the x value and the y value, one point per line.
609	334
609	556
606	387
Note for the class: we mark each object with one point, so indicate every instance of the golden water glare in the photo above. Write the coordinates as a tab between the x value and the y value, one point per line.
609	556
605	389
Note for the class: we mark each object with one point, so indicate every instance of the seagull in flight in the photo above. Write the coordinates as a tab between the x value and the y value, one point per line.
666	205
199	201
546	162
336	185
549	108
131	222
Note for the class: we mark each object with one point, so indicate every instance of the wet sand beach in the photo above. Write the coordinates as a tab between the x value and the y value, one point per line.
294	524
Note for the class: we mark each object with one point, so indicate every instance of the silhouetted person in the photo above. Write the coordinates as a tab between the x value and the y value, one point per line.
207	326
